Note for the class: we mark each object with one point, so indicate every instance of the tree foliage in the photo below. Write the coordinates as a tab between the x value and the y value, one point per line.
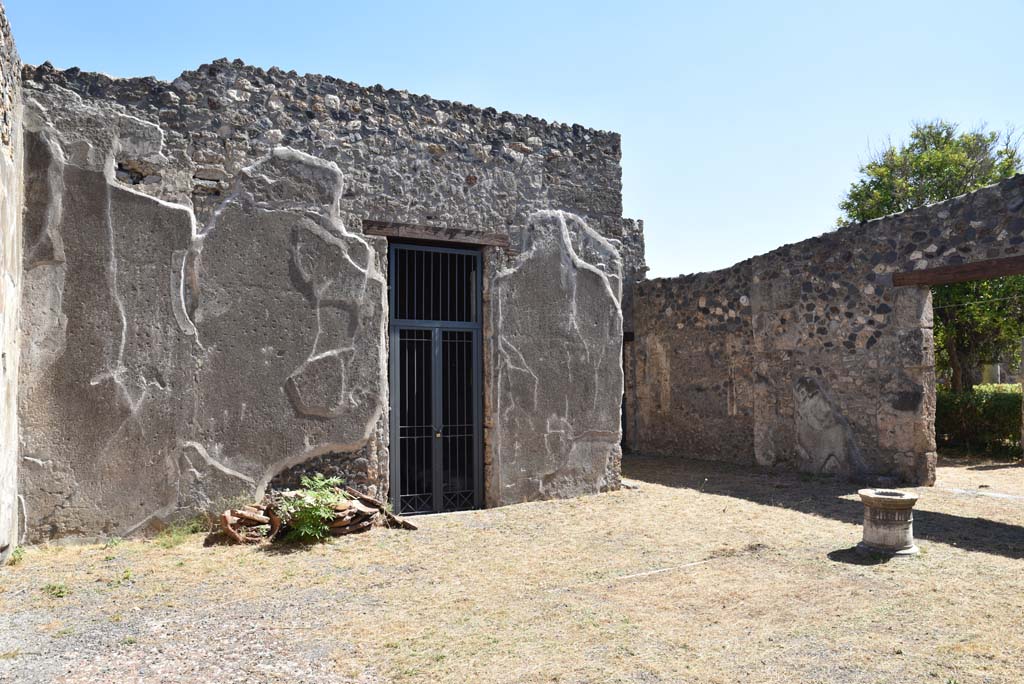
976	322
937	163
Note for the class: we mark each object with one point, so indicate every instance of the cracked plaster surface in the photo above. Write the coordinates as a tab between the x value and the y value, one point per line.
172	366
558	381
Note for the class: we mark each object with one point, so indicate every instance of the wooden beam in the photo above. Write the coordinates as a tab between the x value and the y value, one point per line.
961	273
409	231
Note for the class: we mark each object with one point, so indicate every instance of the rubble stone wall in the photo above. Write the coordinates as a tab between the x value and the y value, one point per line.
205	315
808	357
10	282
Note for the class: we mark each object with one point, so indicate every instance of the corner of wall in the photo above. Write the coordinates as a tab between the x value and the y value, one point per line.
11	202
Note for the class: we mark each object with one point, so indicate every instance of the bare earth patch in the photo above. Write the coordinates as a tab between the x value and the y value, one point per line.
707	573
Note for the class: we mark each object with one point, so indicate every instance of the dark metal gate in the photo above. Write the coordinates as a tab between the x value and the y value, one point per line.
435	368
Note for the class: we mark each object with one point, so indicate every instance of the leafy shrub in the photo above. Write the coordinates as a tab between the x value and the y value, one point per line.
309	511
988	417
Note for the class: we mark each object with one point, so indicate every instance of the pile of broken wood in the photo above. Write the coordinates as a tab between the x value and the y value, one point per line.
357	512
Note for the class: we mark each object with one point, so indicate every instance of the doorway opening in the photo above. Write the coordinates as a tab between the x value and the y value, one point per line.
435	378
978	328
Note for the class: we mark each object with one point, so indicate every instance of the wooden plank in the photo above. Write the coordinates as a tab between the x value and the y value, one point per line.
410	231
960	273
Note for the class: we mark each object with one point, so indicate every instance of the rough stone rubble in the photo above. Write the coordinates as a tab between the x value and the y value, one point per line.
808	357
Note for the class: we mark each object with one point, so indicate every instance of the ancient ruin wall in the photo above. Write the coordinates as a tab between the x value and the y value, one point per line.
693	373
10	282
808	357
206	315
634	270
557	382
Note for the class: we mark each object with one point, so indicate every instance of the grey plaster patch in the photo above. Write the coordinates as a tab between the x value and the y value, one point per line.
558	371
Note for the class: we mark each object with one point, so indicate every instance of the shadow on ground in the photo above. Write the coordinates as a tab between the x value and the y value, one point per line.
854	556
997	466
822	496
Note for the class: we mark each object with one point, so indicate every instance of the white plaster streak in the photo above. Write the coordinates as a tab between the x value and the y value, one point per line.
112	280
318	450
23	536
213	463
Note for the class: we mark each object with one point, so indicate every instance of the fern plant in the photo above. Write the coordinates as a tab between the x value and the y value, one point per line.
308	511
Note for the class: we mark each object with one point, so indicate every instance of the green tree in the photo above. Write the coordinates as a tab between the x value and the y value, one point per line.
938	162
977	322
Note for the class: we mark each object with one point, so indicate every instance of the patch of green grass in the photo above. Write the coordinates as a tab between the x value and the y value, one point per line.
56	589
112	542
124	578
178	532
17	555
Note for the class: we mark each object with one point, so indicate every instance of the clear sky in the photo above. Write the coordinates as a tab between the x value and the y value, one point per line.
742	123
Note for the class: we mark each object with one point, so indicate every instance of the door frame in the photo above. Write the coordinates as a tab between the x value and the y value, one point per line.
394	375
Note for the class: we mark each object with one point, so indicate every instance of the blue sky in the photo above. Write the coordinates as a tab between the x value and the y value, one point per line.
742	123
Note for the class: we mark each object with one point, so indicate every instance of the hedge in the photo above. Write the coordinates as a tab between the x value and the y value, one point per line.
987	417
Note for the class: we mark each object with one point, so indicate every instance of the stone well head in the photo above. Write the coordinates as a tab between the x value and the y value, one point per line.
888	522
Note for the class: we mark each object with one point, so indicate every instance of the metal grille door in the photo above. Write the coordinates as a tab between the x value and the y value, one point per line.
436	396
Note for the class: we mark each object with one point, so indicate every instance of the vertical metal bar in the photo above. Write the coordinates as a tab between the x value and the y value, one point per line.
465	443
438	447
463	287
396	288
473	293
457	408
478	395
438	286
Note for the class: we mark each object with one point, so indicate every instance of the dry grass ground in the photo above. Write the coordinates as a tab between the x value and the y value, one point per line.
704	574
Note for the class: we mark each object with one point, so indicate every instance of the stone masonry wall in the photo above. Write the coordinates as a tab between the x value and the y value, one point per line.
10	283
406	158
634	271
808	357
206	317
693	371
